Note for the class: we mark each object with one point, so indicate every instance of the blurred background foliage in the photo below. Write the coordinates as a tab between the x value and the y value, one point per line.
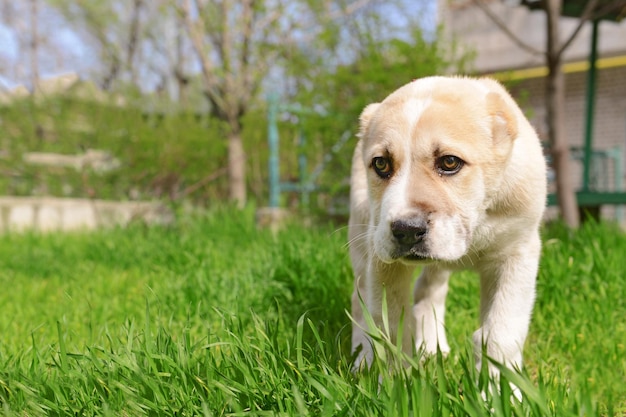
177	150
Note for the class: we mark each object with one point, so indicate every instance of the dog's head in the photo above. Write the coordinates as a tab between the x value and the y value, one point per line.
436	151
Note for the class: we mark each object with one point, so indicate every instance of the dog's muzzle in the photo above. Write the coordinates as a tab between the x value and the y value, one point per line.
410	239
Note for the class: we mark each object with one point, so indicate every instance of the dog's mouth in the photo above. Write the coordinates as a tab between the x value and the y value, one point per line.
417	258
413	255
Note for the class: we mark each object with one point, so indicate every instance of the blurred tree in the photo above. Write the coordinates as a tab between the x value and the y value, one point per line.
239	42
31	29
555	110
34	43
113	29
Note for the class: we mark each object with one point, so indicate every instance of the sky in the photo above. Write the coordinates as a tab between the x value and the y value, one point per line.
64	51
14	67
8	51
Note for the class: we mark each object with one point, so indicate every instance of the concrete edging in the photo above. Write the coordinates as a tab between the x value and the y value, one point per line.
64	214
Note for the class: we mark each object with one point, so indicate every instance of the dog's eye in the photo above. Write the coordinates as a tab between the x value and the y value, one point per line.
382	166
449	164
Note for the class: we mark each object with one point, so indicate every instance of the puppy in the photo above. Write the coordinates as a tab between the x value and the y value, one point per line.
448	174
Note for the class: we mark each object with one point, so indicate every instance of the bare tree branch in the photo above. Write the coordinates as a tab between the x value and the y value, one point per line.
585	16
237	42
350	9
196	29
502	26
613	7
203	182
133	39
34	44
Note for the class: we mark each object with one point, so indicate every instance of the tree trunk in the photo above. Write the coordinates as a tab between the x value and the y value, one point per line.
560	148
182	80
133	40
112	73
555	106
236	168
34	45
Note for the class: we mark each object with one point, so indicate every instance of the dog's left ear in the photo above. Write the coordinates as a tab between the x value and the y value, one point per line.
365	117
503	120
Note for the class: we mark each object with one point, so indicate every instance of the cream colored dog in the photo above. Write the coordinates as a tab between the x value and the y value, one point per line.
447	174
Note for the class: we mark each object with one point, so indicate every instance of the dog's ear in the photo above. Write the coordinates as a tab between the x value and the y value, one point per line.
503	120
365	117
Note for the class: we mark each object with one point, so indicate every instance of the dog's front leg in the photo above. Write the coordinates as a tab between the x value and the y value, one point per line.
359	325
507	299
391	282
430	296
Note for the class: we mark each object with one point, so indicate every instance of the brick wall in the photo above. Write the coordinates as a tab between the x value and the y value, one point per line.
610	112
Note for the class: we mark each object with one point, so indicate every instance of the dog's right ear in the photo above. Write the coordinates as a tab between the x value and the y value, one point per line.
365	117
504	124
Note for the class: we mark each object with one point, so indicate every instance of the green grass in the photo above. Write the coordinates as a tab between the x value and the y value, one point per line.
215	317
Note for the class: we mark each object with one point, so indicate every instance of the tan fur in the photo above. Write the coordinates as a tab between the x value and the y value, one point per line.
485	217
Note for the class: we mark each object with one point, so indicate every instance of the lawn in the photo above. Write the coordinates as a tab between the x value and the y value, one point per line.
212	316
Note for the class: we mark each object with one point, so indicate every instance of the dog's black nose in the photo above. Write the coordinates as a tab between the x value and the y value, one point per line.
409	232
